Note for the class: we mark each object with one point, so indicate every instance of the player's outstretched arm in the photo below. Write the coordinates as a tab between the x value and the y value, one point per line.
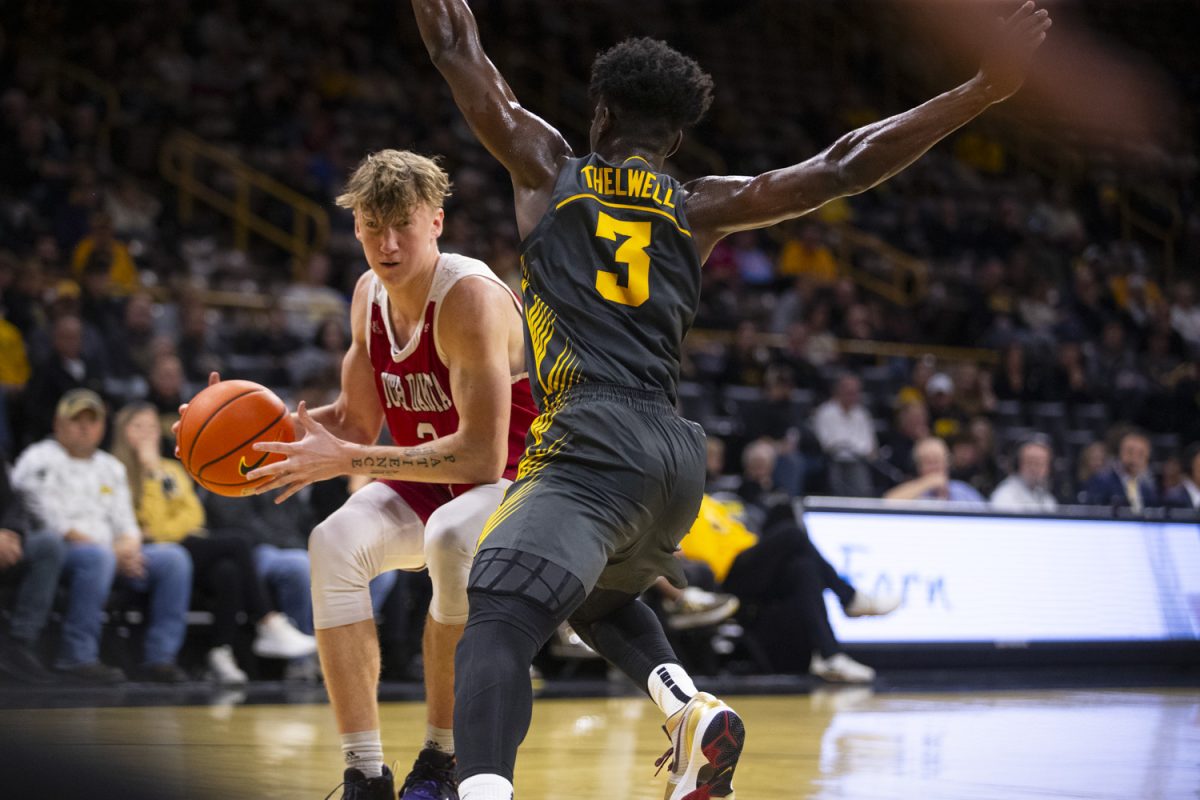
529	148
864	158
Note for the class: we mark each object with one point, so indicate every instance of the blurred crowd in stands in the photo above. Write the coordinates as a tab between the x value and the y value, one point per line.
1056	360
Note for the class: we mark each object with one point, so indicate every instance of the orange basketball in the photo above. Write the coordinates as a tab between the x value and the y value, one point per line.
218	431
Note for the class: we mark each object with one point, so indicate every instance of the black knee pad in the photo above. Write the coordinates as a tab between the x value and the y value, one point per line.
533	579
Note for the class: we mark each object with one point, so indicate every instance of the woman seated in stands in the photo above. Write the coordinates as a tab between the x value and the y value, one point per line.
168	510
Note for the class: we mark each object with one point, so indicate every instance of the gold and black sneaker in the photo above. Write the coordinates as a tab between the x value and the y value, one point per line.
706	741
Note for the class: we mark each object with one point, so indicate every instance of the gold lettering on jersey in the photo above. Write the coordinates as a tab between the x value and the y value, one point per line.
617	182
415	391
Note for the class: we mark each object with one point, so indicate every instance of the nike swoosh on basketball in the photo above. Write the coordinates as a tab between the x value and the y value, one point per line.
243	467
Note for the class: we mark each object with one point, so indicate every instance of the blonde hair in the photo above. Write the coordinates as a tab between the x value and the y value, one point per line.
391	183
123	450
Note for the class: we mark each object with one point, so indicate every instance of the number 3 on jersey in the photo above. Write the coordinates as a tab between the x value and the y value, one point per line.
632	253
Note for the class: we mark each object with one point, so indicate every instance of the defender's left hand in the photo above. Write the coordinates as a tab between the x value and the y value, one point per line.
317	456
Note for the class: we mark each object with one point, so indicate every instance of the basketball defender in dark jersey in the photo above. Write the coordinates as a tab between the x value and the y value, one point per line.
611	477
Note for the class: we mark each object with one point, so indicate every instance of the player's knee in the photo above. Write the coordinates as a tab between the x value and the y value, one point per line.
449	549
339	553
450	538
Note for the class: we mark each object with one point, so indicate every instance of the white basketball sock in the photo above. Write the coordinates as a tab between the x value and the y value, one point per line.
670	688
485	787
440	739
363	751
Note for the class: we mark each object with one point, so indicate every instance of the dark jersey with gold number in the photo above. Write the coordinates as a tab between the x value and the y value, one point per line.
611	280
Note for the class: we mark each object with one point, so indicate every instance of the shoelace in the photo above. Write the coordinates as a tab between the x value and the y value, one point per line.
658	762
667	755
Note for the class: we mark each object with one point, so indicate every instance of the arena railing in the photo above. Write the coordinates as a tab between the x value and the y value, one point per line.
185	157
904	283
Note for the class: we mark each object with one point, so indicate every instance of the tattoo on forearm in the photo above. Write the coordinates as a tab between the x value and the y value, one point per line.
382	466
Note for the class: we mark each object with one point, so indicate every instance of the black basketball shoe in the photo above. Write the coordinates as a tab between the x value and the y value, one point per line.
356	786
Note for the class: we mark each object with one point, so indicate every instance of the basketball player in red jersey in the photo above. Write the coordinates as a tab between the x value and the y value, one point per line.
437	352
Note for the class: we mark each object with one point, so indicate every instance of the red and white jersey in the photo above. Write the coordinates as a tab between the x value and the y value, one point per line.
413	381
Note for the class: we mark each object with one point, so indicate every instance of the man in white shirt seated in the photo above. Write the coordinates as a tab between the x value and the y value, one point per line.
847	435
81	494
1028	490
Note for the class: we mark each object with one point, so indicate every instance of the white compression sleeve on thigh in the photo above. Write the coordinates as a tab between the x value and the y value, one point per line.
373	531
450	539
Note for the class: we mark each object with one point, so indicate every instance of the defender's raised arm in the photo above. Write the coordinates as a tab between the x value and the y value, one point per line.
528	147
868	156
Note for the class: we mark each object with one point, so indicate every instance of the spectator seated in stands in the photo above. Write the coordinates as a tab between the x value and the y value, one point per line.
781	577
166	393
916	391
757	488
321	360
932	458
1091	461
1029	489
223	569
746	359
129	348
65	367
32	559
1185	314
774	421
100	240
912	425
1187	494
808	256
81	494
947	420
847	435
201	347
1127	482
715	479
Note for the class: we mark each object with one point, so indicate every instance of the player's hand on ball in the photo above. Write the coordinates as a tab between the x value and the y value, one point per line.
1007	62
317	456
213	377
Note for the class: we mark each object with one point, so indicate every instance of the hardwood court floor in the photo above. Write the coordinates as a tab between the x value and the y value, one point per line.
1119	744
